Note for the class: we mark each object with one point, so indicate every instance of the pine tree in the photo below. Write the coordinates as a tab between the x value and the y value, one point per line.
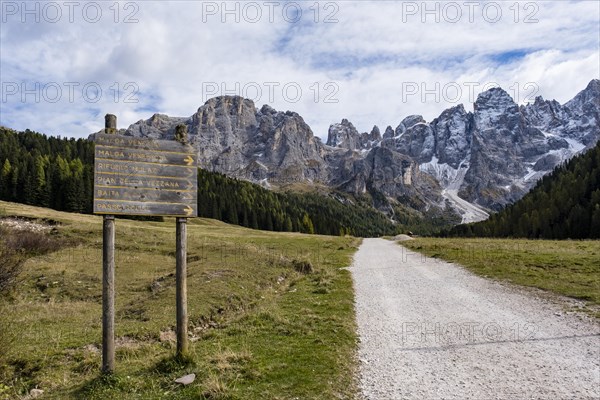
39	183
307	224
14	184
253	220
232	217
5	180
268	222
595	223
288	227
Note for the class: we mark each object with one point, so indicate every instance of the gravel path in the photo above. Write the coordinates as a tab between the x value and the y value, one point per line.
431	330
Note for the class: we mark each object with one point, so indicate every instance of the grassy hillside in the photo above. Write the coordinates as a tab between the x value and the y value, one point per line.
259	328
568	268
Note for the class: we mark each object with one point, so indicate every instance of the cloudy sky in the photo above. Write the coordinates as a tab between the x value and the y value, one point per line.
64	65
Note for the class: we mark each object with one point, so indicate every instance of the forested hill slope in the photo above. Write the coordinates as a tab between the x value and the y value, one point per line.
46	171
58	173
564	204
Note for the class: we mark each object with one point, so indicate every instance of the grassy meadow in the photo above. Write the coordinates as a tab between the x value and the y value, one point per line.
260	326
566	267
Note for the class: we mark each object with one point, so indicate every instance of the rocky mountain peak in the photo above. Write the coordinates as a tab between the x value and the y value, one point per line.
343	135
233	106
494	108
543	113
593	86
224	117
494	98
157	126
453	136
375	133
452	113
588	100
539	100
409	122
369	140
412	120
157	118
389	133
267	109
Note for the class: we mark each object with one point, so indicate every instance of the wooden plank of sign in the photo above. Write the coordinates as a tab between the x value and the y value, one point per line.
148	156
124	207
121	142
148	170
151	195
145	182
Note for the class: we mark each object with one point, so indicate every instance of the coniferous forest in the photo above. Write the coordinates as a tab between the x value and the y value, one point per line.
58	173
243	203
46	171
563	205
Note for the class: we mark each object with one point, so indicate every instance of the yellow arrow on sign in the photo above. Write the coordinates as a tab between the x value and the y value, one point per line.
189	160
188	211
187	196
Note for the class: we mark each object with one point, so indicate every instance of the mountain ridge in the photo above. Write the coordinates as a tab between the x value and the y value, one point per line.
465	162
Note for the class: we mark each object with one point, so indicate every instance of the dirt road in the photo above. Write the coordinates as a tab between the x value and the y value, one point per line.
432	330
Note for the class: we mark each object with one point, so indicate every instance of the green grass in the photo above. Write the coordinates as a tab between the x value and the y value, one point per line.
259	329
568	268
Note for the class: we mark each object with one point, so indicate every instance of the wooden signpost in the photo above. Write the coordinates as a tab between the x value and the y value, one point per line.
138	176
135	176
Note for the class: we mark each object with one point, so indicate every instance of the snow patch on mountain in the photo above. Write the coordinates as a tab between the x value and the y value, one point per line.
575	146
447	176
530	174
469	212
451	179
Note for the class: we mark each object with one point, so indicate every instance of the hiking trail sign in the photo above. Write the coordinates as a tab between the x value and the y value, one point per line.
138	176
134	176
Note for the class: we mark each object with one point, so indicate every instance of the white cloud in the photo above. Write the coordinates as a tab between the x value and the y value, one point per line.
371	57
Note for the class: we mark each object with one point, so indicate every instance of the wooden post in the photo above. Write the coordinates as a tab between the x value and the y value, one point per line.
108	278
108	295
181	286
110	124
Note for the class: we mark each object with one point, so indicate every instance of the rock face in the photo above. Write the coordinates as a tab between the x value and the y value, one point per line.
493	156
484	159
345	136
513	146
236	139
